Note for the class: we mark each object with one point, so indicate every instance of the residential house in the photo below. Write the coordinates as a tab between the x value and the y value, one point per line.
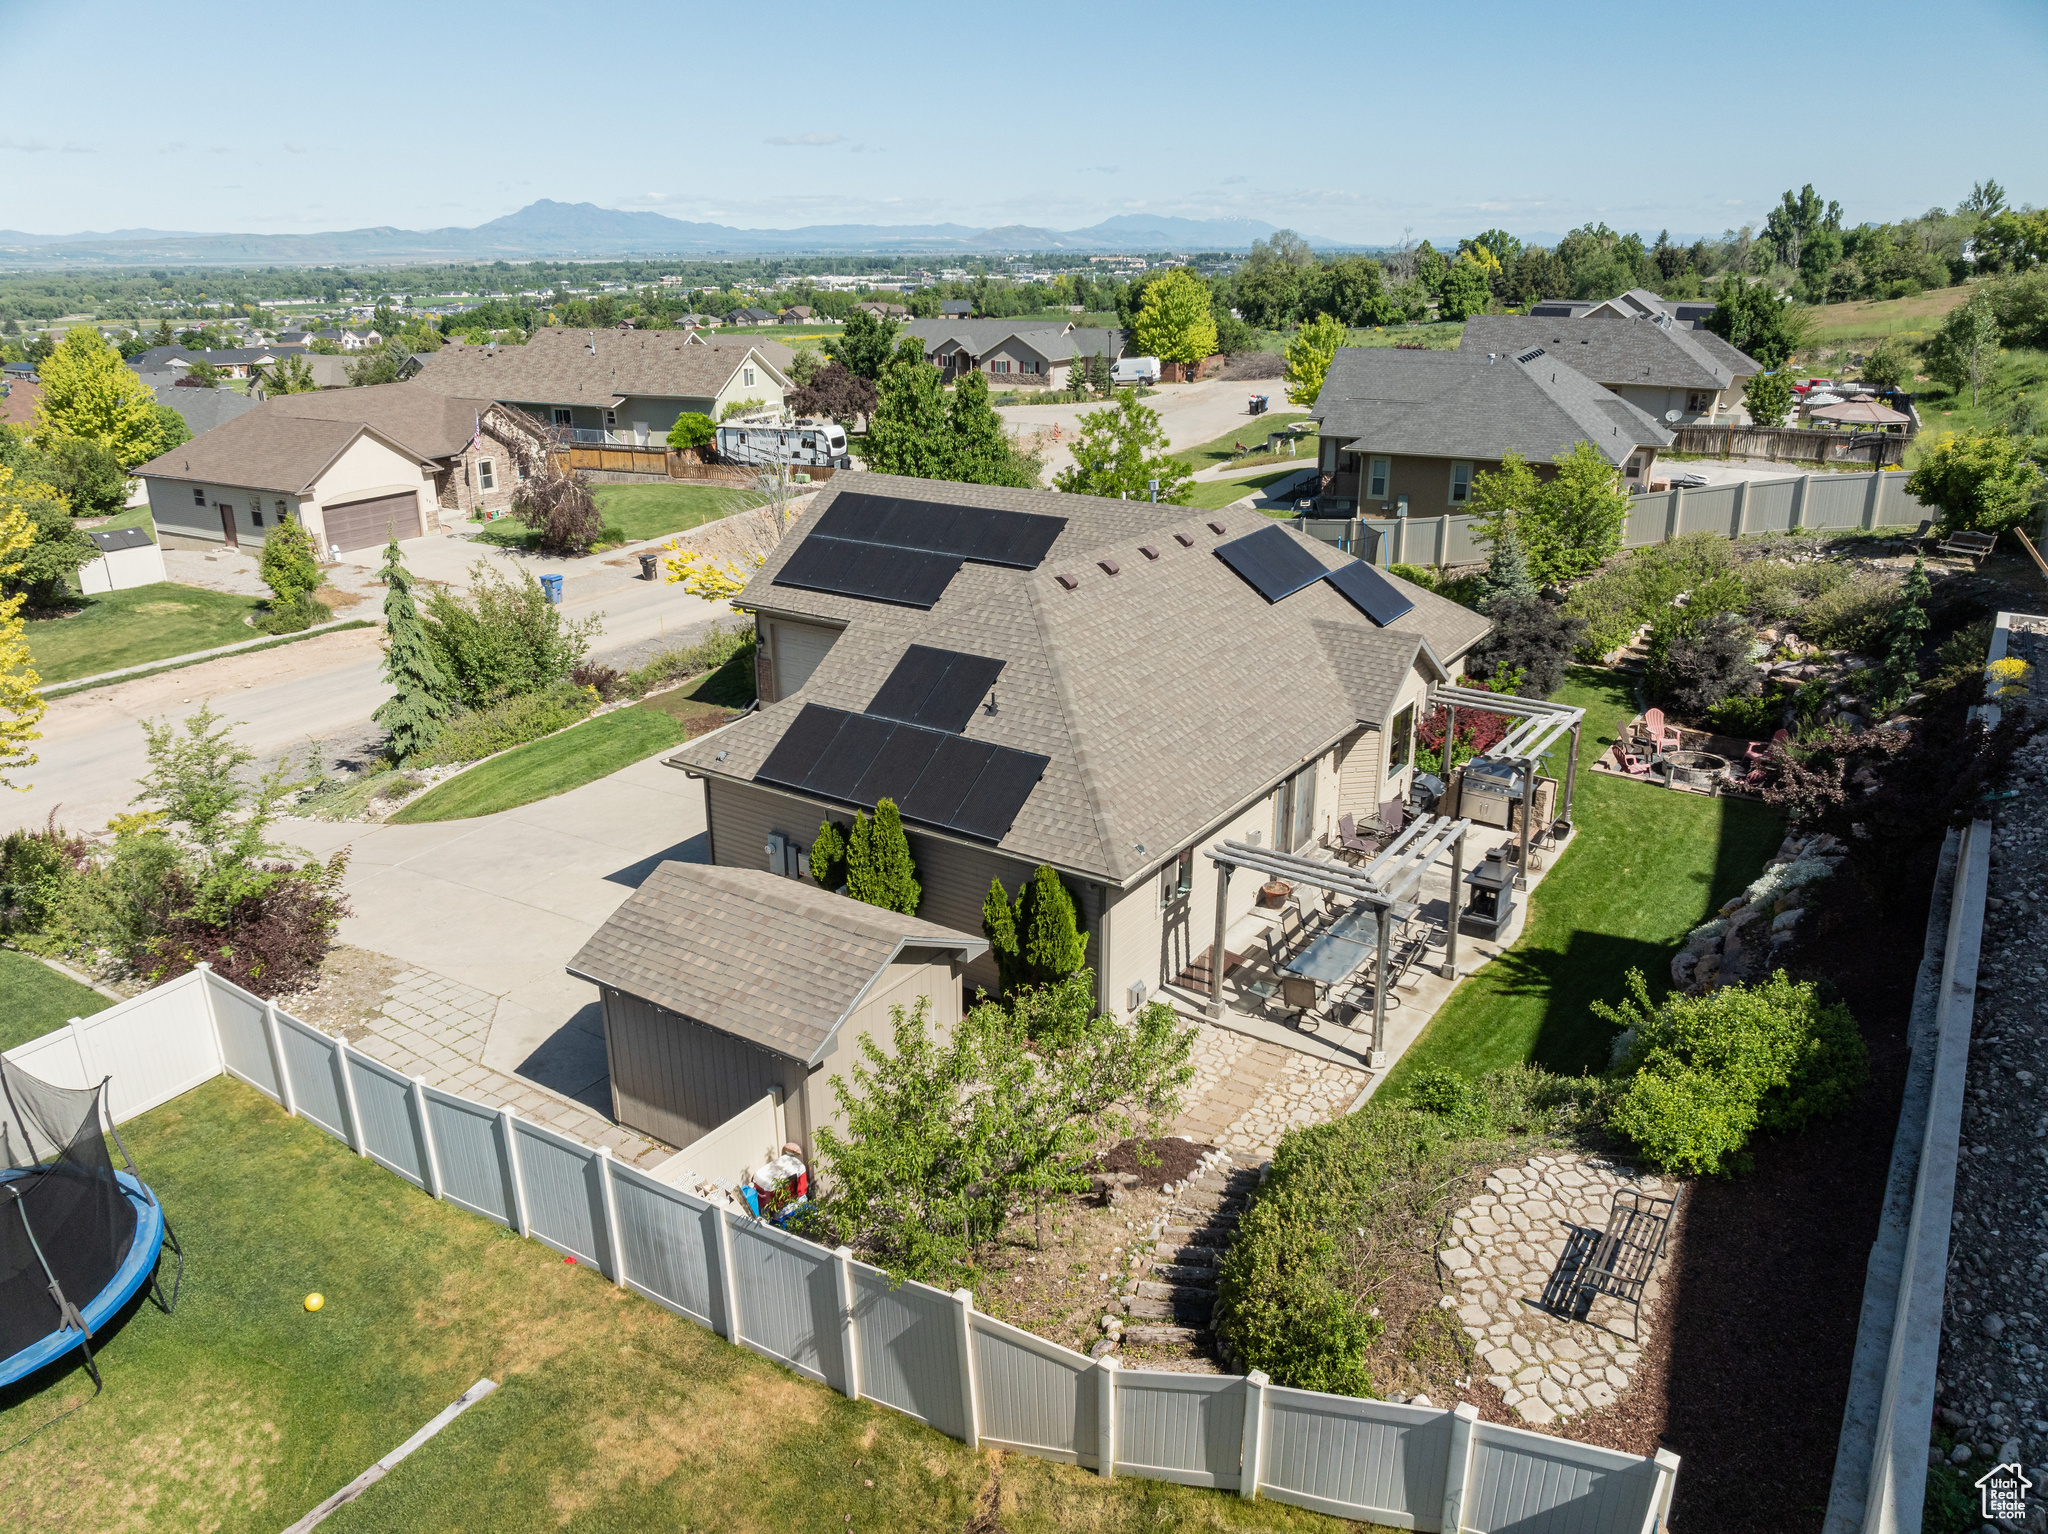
795	314
955	309
1035	352
297	338
18	395
1635	304
1668	371
610	385
204	409
1416	426
884	311
750	317
232	362
350	340
1026	675
721	985
354	466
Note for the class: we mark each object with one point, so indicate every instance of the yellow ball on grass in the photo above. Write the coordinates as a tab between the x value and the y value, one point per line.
315	1301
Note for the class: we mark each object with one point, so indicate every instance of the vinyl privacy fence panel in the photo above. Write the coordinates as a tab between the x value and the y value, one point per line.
927	1354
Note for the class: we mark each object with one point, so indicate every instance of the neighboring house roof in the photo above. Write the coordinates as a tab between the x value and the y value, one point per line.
1636	303
426	422
159	358
120	538
1461	405
794	313
749	317
204	409
1118	680
1614	352
264	451
777	962
593	367
18	404
955	306
1054	340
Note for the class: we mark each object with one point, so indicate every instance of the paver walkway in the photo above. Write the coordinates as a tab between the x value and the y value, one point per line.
434	1028
1248	1092
1503	1248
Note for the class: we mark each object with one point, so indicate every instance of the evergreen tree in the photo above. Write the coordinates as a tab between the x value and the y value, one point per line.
828	856
1053	944
418	706
1507	571
860	859
1900	671
999	926
896	886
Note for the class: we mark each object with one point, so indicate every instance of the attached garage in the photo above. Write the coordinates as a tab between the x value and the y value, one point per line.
358	524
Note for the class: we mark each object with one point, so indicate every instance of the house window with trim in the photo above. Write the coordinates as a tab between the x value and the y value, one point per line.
284	514
256	515
747	377
1461	483
564	417
1699	402
611	419
486	474
1177	879
198	495
1294	810
1000	365
1401	740
1379	473
1634	468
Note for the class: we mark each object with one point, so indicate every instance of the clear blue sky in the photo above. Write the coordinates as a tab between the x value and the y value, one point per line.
1353	121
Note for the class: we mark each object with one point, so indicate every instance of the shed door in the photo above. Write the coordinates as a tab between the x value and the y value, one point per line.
358	524
797	654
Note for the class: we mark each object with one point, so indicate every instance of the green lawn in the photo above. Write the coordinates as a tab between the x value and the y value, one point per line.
1252	433
134	627
639	511
131	516
540	769
34	999
241	1411
1212	494
1647	867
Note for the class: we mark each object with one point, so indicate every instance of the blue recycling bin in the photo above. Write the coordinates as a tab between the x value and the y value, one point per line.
552	585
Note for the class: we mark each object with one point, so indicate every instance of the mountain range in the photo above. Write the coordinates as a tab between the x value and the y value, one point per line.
560	230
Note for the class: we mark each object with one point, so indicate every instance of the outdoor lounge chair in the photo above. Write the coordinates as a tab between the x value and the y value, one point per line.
1760	749
1663	737
1349	843
1633	765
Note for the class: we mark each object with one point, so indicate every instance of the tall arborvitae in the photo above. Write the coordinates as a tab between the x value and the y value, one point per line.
828	855
1049	929
999	926
412	717
896	886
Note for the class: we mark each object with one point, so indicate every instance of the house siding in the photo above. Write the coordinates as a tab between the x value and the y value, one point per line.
912	974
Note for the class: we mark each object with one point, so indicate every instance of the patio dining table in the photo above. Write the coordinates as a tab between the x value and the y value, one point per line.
1340	948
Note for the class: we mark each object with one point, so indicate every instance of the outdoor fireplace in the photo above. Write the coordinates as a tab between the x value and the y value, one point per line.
1692	769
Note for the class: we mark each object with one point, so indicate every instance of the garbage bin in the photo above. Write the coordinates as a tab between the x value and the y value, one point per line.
649	563
552	585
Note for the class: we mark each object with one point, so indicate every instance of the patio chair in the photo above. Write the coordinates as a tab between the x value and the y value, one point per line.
1760	749
1633	765
1349	843
1393	815
1663	737
1299	996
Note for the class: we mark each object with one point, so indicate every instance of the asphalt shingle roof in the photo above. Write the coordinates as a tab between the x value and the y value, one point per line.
1611	351
778	962
1055	340
425	421
1156	693
560	367
204	409
1461	405
260	451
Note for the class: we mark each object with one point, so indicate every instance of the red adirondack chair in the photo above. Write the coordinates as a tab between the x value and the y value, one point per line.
1663	737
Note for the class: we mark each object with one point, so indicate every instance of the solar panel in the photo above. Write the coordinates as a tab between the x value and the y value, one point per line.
1371	592
851	753
898	765
983	534
1272	563
911	682
945	782
939	689
991	806
805	740
873	572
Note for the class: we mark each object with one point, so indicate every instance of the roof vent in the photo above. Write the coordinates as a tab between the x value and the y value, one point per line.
1068	581
1148	551
1216	527
1184	540
1492	358
1109	566
1530	356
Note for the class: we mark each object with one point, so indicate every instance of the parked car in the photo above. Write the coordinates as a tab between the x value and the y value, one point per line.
1687	481
1135	370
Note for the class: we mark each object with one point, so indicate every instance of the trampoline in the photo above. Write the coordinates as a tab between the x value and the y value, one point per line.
78	1237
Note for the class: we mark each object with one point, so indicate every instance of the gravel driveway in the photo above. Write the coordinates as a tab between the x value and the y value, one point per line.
1191	414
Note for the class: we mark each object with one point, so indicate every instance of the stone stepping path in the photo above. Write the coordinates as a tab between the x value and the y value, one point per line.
1501	1251
1170	1297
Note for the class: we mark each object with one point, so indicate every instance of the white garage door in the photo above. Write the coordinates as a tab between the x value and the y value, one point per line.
358	524
797	654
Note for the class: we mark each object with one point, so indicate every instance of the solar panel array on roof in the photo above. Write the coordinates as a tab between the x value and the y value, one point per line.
937	779
939	689
1371	592
980	533
875	572
1272	563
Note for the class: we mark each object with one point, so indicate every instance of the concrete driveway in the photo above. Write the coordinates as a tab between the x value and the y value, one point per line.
1190	413
503	902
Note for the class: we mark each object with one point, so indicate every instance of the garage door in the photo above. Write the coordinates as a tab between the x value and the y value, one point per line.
358	524
797	654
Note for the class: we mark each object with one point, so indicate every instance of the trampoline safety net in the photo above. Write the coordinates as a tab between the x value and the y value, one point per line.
60	1204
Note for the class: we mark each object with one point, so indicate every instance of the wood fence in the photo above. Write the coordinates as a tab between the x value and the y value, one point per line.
1792	444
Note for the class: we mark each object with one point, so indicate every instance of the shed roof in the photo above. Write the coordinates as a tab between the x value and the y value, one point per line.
113	541
777	962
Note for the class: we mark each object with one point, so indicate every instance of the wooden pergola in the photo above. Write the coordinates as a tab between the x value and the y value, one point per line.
1538	724
1388	883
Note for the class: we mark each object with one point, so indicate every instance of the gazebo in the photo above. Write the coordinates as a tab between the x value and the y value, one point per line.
1862	412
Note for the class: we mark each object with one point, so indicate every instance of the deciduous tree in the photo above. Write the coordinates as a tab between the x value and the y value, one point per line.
89	392
1121	449
288	375
1980	480
21	705
40	569
867	346
1768	398
693	429
1309	356
1963	349
1174	323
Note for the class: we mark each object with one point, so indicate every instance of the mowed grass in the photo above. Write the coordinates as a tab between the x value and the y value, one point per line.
134	627
241	1411
540	769
1252	433
639	511
1213	494
35	999
1647	867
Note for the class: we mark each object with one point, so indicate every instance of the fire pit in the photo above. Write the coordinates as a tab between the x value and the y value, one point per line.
1693	769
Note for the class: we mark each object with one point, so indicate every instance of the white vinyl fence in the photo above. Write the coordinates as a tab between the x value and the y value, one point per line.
925	1353
1809	502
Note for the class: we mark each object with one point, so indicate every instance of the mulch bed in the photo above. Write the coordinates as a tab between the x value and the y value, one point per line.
1764	1282
1173	1159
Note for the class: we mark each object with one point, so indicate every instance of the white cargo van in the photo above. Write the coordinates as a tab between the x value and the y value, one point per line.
1135	370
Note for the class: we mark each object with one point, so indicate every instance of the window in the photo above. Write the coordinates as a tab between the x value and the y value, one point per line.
1635	467
1000	365
1294	810
1699	402
1177	879
284	514
1378	472
611	419
1461	483
256	516
1400	740
562	417
747	377
486	474
198	496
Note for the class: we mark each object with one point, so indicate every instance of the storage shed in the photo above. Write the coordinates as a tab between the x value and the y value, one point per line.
720	984
127	558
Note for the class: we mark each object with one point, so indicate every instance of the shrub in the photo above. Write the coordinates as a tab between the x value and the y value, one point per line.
558	506
1752	716
1978	479
273	940
504	639
1448	1095
692	430
1707	1072
879	870
293	616
289	565
1851	616
602	680
722	644
34	867
483	732
1415	575
1532	636
1694	670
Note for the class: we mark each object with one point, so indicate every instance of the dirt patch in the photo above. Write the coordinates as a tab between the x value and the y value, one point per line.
1251	365
334	598
1172	1158
1062	1292
350	991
